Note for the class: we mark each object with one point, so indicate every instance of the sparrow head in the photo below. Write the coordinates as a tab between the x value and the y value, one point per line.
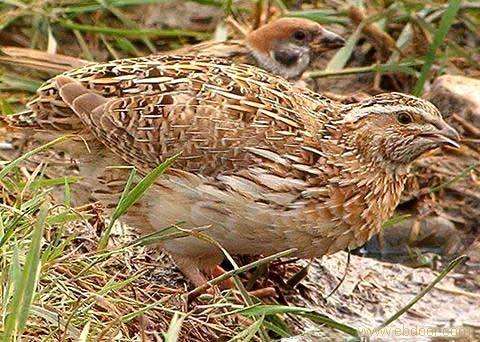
287	46
397	128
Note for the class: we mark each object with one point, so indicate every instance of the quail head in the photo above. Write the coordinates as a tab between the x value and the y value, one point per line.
265	166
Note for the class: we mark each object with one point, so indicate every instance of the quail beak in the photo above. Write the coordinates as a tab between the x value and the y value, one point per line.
326	40
445	135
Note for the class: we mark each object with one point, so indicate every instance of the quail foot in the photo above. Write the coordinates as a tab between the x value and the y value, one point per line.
265	165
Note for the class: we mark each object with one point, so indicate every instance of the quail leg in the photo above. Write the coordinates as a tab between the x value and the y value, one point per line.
190	269
259	293
218	271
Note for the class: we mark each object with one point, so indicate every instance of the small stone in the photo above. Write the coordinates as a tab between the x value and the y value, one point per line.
457	95
434	234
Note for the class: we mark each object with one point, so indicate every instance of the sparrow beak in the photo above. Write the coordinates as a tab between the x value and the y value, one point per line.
445	135
326	41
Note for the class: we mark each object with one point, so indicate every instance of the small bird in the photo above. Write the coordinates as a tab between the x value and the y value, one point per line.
265	166
285	47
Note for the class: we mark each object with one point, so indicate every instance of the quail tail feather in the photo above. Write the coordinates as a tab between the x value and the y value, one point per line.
23	119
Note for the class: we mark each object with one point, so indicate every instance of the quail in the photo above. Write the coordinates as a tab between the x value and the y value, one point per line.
265	166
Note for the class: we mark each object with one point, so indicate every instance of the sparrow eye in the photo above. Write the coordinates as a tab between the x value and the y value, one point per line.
404	118
299	35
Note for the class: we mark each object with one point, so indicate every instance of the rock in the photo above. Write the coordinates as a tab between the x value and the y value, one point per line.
373	291
473	251
457	95
431	234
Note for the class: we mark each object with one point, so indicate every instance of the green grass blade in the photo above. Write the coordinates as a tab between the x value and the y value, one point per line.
10	230
162	234
403	67
83	45
109	47
127	46
117	212
342	56
67	193
321	16
455	179
158	33
277	325
132	196
310	314
63	218
137	192
32	267
395	220
5	107
443	28
427	289
19	307
249	333
129	24
12	286
48	183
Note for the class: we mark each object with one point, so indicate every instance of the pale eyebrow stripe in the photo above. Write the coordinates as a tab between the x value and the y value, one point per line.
380	109
384	109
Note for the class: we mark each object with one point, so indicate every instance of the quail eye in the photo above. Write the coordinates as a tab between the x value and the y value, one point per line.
404	118
299	35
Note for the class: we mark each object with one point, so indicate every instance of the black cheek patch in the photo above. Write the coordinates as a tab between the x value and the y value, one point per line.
286	57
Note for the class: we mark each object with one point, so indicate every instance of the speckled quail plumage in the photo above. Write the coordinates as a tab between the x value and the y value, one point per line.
265	165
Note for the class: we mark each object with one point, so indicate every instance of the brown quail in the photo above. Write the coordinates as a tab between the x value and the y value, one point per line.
265	165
